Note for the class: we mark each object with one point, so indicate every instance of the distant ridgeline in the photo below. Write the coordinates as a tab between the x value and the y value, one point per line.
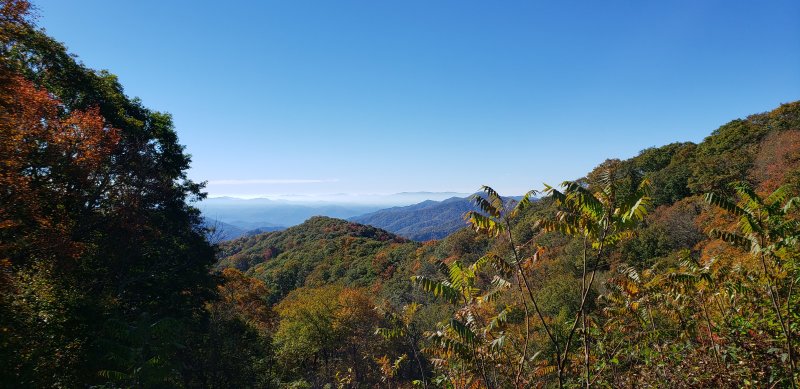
656	330
219	231
431	219
427	220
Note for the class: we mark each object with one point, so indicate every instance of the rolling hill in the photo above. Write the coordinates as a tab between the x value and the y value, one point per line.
320	251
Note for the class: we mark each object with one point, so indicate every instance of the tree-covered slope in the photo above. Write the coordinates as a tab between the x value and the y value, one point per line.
667	301
678	265
320	251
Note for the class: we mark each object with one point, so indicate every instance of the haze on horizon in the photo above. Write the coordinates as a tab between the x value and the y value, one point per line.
316	98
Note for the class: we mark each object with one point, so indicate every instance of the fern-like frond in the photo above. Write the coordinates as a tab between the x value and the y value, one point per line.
732	238
778	196
498	343
495	261
639	209
791	203
724	203
438	289
459	276
390	333
542	371
555	194
483	224
494	197
616	237
486	206
523	204
582	198
113	375
409	311
464	333
499	319
748	224
747	194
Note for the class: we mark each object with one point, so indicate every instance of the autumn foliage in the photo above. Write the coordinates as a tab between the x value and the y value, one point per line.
47	154
104	266
678	267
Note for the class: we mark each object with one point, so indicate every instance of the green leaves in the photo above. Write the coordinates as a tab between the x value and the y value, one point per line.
638	211
496	262
486	206
484	224
390	333
464	333
523	204
500	285
494	217
765	226
460	277
724	203
498	320
770	233
602	215
438	289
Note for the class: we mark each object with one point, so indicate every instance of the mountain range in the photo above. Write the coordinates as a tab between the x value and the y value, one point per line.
249	214
221	231
429	219
423	221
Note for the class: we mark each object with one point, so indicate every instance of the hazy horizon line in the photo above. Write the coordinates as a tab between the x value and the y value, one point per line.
332	194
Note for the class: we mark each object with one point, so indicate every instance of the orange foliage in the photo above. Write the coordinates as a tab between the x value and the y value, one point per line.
715	218
13	16
779	154
243	296
47	154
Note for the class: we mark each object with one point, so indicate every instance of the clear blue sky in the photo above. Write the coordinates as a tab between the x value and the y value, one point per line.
365	96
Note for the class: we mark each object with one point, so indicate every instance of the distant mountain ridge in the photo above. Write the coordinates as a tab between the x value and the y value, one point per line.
255	213
221	231
424	221
238	217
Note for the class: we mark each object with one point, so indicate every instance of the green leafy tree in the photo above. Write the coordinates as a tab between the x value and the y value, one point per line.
767	229
475	338
600	218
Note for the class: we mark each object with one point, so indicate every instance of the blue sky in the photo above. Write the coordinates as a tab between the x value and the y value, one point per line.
302	97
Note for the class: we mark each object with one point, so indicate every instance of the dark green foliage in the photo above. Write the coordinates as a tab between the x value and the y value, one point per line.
123	306
665	232
669	169
233	355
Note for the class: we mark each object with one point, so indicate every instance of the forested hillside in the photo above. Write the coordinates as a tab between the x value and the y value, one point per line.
318	252
686	253
677	267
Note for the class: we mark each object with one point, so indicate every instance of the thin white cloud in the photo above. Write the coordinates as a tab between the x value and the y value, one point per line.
268	181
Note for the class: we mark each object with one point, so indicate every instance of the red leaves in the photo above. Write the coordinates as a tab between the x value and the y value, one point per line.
50	159
778	156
